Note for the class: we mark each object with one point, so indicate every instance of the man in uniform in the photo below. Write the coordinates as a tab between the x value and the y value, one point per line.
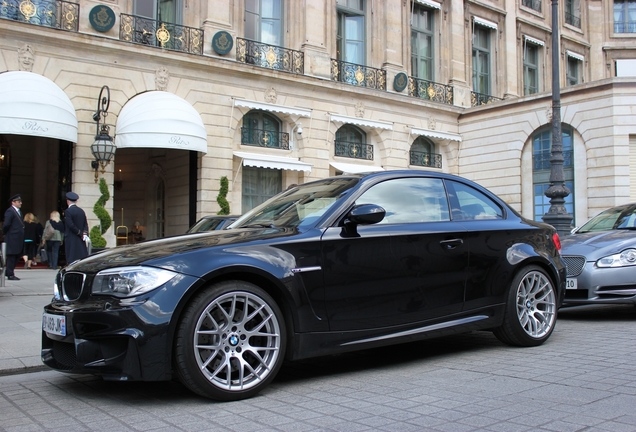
75	231
13	229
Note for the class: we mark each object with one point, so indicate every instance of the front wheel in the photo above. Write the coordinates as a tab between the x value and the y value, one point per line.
230	342
531	309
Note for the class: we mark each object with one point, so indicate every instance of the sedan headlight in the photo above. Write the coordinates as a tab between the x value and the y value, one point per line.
623	259
130	281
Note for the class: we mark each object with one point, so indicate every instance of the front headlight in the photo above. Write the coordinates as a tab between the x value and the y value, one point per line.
130	281
623	259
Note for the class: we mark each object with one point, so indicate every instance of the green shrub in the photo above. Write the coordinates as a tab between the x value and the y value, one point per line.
105	221
221	197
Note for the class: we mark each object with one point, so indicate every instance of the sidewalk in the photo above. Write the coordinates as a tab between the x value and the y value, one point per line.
21	304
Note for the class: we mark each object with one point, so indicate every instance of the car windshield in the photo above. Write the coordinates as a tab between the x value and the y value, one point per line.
206	224
611	219
299	206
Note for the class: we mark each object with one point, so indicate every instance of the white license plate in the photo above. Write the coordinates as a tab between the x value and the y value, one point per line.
570	283
55	324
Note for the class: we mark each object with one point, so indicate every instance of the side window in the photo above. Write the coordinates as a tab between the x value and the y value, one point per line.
470	204
409	200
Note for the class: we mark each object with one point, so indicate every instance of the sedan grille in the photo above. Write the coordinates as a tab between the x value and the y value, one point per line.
574	264
72	285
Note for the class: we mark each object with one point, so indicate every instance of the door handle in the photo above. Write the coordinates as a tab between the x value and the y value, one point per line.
451	244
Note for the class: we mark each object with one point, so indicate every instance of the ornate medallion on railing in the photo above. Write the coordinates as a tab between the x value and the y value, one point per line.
359	75
163	35
270	57
222	42
102	18
28	9
400	81
431	91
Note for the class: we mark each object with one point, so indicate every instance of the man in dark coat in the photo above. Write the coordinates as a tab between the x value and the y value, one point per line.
13	229
76	230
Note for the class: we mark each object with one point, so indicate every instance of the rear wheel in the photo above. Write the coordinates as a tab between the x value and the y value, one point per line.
230	342
531	309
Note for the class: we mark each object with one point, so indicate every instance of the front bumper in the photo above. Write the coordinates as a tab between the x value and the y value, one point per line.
599	285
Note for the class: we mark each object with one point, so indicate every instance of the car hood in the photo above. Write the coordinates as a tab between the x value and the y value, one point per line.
595	245
188	253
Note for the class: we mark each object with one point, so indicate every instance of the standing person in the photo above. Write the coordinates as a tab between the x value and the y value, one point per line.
13	229
32	235
52	238
75	230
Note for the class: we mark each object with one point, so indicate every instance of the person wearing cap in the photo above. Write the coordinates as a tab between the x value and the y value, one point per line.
75	231
13	229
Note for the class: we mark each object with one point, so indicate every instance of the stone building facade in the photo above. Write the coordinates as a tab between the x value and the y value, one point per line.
269	93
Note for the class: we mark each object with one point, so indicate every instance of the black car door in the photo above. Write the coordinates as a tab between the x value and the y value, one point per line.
410	267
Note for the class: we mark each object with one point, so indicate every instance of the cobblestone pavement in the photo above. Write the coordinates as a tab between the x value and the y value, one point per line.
582	379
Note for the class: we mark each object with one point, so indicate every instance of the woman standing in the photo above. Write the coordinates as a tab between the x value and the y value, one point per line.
53	236
32	235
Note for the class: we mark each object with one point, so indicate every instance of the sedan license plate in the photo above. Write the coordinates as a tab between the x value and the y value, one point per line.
570	283
55	324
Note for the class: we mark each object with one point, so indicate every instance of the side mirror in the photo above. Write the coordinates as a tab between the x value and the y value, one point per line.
365	214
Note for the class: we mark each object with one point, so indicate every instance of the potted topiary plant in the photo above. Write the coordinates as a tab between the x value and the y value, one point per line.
221	197
105	221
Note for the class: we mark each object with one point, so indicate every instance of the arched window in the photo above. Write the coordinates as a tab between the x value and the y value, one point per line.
351	142
541	149
423	154
263	130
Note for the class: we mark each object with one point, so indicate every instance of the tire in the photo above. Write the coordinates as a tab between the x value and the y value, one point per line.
531	309
230	341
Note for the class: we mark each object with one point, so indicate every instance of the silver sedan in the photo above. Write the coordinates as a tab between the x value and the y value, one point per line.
601	259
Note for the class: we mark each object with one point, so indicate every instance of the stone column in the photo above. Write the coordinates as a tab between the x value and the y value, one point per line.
460	36
318	16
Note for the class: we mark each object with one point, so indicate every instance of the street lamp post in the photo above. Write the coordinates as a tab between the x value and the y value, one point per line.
103	148
557	215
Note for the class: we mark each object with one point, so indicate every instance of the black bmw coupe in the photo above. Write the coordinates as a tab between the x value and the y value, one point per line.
345	263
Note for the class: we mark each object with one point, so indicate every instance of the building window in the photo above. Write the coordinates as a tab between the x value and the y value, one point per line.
624	16
161	10
481	60
530	68
263	21
573	13
422	43
259	185
573	71
264	130
541	147
532	4
423	154
350	39
351	142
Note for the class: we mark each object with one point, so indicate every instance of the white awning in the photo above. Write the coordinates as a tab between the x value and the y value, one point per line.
272	107
485	23
362	122
158	119
436	134
576	56
272	162
33	105
534	41
429	3
355	168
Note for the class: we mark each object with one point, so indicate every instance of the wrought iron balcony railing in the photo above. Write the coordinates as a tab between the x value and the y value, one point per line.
354	150
358	75
146	31
573	20
58	14
477	99
265	138
425	159
532	4
270	56
625	27
541	161
430	90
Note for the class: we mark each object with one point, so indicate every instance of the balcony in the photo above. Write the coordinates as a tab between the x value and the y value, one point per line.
573	20
270	56
354	150
264	138
425	159
625	27
430	90
358	75
57	14
477	99
146	31
532	4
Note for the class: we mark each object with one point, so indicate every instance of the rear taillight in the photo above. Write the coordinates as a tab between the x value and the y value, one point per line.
557	241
